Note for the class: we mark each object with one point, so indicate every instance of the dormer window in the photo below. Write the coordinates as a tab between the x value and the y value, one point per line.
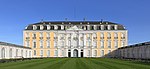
109	27
34	27
48	27
88	27
41	27
95	27
62	27
102	27
55	27
116	27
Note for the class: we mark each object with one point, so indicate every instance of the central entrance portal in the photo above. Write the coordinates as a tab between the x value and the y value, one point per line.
75	53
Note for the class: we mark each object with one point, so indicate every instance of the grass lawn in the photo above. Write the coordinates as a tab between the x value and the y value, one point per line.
75	63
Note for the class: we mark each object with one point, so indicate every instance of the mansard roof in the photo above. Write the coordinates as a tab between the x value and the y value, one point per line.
137	45
13	45
65	23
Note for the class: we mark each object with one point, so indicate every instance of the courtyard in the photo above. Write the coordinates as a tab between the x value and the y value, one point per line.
75	63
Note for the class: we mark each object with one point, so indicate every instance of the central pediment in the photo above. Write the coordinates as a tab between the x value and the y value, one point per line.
74	28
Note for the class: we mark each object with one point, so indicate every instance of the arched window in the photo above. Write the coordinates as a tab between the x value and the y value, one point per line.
122	35
16	52
41	43
62	52
26	54
41	53
102	44
102	35
10	53
102	53
21	53
109	44
34	52
34	44
109	35
34	27
29	54
116	35
48	53
95	43
48	27
3	53
48	44
41	27
116	44
95	53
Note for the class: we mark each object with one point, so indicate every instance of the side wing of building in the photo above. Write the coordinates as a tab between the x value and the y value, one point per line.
13	51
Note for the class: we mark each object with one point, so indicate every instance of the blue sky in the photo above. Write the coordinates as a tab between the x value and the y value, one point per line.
16	14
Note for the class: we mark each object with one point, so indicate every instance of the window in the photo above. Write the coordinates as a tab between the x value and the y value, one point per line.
34	27
88	27
27	34
102	27
102	53
109	36
56	53
48	27
123	35
48	34
55	27
34	44
29	54
109	27
116	27
27	43
88	42
34	52
41	27
116	43
41	53
109	53
102	44
10	53
62	43
122	43
41	44
88	52
82	43
48	44
26	54
95	52
116	35
3	53
62	27
102	35
55	43
16	52
62	52
21	53
34	34
95	27
94	35
69	42
109	44
48	53
95	43
41	35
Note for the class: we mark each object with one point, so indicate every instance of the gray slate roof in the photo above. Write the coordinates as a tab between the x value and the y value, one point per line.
13	45
51	23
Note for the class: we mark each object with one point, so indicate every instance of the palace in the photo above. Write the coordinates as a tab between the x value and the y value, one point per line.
74	38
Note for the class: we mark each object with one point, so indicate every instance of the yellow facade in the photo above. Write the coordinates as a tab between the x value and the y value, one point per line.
52	42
